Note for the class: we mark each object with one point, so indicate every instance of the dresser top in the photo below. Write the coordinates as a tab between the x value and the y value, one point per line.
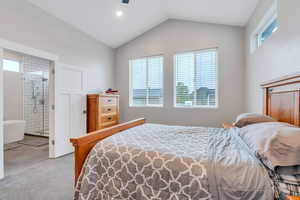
105	95
109	95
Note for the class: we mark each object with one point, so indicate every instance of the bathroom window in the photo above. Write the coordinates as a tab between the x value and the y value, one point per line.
11	65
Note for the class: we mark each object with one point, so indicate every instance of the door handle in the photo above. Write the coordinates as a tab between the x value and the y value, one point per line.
84	112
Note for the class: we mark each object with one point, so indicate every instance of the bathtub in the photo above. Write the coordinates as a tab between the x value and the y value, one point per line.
13	130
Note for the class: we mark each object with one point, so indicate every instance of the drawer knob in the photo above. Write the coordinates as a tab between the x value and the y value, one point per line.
109	100
109	118
108	109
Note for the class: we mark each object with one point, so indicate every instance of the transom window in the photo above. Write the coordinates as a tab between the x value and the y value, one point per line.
270	28
11	65
267	26
196	79
146	81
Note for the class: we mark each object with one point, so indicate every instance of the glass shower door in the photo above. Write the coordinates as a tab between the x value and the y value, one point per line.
36	103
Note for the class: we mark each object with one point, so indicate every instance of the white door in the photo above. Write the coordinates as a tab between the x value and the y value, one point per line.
1	118
69	107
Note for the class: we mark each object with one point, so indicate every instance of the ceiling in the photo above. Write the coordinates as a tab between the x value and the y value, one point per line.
97	18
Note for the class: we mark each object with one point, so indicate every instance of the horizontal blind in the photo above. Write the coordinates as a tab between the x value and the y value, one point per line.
185	73
146	81
139	82
155	81
196	78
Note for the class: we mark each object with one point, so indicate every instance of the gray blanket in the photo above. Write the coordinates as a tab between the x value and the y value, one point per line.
173	163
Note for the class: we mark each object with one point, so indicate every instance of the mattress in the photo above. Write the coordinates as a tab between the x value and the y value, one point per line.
154	161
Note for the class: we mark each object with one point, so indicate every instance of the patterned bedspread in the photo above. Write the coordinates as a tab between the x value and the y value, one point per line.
156	162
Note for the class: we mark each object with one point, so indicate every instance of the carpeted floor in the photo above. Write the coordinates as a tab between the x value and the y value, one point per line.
30	175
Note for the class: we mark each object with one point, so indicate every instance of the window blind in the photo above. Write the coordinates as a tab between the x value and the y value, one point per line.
146	81
196	79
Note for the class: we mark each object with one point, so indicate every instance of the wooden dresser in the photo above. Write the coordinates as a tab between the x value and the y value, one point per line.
102	111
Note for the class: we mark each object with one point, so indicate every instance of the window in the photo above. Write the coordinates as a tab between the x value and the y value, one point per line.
266	28
146	81
11	65
196	79
267	31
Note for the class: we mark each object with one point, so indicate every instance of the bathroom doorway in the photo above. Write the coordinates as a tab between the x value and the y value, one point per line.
26	110
36	95
67	89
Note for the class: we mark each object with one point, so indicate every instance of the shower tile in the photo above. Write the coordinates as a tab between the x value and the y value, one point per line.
32	67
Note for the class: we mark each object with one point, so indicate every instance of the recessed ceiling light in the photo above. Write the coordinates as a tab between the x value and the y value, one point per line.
119	13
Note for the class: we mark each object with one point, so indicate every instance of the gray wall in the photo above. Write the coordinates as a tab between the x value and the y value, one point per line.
26	24
175	36
278	56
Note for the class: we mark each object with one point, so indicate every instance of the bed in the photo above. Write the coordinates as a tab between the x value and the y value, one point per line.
138	160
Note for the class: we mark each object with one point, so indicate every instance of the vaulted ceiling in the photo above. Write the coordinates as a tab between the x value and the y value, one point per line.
98	18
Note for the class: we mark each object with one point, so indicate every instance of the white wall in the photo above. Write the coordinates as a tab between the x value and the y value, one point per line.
175	36
23	23
278	56
13	95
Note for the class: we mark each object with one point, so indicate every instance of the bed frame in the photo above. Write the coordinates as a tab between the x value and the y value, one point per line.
281	100
84	144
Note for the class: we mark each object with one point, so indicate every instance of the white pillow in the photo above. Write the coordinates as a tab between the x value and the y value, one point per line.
276	144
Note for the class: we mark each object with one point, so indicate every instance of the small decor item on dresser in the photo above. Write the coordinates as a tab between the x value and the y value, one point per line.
111	91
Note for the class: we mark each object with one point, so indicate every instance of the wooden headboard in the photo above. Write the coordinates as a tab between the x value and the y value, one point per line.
282	98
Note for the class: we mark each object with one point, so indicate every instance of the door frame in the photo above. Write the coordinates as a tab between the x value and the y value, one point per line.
1	118
10	45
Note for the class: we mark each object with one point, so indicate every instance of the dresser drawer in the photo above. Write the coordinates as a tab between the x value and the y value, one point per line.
108	101
109	109
109	124
109	118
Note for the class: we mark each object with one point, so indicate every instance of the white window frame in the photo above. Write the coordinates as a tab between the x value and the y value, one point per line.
147	97
216	106
260	32
266	21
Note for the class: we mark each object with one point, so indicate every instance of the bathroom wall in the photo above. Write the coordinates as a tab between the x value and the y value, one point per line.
36	112
13	95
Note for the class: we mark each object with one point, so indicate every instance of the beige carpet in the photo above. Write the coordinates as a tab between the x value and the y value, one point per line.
30	175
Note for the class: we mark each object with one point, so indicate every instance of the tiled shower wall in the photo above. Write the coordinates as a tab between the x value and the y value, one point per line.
36	109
